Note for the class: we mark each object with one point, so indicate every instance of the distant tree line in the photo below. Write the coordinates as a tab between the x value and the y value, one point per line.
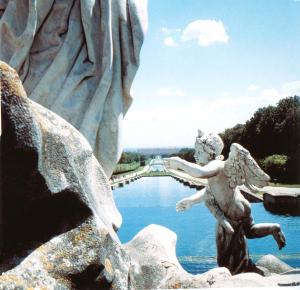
272	136
126	167
186	154
130	157
130	161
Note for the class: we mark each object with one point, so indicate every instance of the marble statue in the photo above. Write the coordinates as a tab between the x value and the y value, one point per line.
224	199
78	59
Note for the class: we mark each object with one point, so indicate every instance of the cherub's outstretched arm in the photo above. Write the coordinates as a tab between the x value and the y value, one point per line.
187	202
203	196
195	170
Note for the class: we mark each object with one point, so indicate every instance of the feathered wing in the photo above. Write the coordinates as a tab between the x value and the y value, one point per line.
241	168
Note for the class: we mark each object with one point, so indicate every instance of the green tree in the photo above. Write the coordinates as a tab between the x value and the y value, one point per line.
129	157
232	135
186	154
271	130
276	166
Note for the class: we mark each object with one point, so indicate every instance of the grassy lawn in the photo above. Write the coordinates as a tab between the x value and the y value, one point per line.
128	172
124	169
155	173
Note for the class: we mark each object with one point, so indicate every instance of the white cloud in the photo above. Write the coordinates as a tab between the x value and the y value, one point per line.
206	32
225	94
169	31
169	41
179	93
165	30
253	88
176	125
291	88
287	89
167	92
162	92
270	94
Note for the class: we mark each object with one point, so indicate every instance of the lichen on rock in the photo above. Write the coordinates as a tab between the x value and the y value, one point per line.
52	186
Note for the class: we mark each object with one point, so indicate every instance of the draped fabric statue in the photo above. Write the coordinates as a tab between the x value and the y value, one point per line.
224	199
77	58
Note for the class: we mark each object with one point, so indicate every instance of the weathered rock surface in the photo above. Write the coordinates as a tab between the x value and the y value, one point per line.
153	255
155	266
77	58
291	278
51	181
273	264
282	200
83	258
245	280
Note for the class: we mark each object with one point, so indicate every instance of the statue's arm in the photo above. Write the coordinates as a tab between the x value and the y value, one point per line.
187	202
195	170
198	197
210	202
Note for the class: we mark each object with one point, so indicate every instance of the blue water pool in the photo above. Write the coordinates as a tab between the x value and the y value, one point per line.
151	200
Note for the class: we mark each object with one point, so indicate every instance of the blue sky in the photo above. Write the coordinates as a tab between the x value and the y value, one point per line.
209	64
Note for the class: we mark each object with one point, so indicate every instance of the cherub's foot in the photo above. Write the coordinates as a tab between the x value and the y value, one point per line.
279	238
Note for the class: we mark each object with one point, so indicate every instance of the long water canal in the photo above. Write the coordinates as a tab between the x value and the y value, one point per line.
152	200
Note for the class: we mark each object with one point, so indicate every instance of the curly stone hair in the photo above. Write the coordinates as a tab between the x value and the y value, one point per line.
212	144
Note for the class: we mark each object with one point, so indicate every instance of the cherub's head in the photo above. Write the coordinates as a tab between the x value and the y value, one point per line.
208	147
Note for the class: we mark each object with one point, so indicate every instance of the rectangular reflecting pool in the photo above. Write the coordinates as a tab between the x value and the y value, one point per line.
152	200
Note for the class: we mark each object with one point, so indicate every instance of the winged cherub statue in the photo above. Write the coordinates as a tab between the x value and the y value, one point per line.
224	199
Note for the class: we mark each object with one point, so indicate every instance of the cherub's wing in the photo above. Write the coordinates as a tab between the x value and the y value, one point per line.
241	168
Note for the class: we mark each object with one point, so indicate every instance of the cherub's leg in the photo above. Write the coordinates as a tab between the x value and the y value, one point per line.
265	229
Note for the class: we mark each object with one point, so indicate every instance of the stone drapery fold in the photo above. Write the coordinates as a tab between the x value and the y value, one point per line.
77	58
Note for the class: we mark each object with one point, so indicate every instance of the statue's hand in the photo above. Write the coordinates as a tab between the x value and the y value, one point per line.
172	162
227	226
183	205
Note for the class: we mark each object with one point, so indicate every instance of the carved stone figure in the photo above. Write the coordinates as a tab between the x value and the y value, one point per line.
224	199
77	58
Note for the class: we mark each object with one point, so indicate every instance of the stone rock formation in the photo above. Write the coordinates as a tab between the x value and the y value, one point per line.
273	264
153	258
86	257
77	58
52	185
